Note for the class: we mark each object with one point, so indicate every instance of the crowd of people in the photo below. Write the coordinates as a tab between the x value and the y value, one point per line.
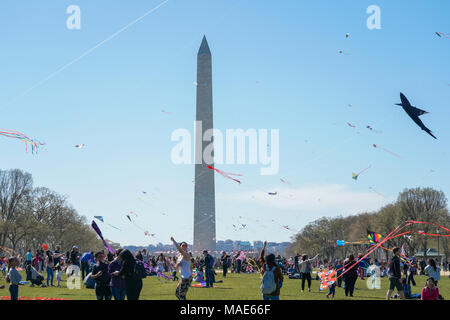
119	275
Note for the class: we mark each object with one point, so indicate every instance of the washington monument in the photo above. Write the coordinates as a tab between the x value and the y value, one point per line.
204	198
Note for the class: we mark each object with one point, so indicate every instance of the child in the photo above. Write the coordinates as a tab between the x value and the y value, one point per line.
174	270
430	291
13	278
101	276
331	290
332	286
58	274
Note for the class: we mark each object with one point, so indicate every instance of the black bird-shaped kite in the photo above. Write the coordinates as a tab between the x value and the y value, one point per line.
414	113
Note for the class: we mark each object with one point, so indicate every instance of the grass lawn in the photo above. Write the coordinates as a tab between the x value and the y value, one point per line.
234	287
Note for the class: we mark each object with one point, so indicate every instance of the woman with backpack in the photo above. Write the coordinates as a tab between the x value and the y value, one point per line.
133	281
305	270
272	276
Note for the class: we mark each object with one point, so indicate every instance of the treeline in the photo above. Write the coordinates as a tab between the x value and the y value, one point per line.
32	216
419	204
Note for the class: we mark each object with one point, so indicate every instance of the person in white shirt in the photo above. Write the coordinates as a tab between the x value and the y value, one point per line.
184	265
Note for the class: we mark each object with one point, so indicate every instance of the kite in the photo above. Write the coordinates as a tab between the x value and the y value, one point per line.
45	247
272	193
80	146
350	125
386	150
356	175
166	112
99	218
285	181
97	229
132	212
414	113
290	229
347	35
137	226
341	243
344	53
371	129
373	237
327	278
225	174
35	144
442	34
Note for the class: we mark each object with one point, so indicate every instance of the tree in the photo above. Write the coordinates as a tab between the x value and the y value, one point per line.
423	204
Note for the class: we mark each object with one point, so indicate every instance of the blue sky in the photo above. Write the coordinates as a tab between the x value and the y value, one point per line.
276	65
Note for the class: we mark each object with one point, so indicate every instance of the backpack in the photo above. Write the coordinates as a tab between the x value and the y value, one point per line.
268	284
139	269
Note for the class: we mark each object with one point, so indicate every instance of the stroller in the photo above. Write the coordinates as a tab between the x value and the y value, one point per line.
34	276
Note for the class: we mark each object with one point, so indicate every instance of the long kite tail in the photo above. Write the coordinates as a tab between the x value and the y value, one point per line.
225	174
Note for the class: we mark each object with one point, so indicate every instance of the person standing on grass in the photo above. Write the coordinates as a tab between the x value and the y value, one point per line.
350	275
49	265
209	267
305	270
412	272
117	283
133	281
272	275
13	278
339	267
433	271
184	264
225	263
430	291
395	275
101	276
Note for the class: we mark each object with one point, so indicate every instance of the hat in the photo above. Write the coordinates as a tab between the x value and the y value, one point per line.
74	247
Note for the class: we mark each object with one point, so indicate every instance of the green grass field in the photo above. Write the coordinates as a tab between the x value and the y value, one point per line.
234	287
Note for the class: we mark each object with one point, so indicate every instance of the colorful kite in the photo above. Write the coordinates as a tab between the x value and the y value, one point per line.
97	229
35	144
80	146
344	53
45	247
356	175
386	150
350	125
373	237
327	278
99	218
225	174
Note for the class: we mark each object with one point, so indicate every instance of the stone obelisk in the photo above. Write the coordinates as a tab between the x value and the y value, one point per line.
204	198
